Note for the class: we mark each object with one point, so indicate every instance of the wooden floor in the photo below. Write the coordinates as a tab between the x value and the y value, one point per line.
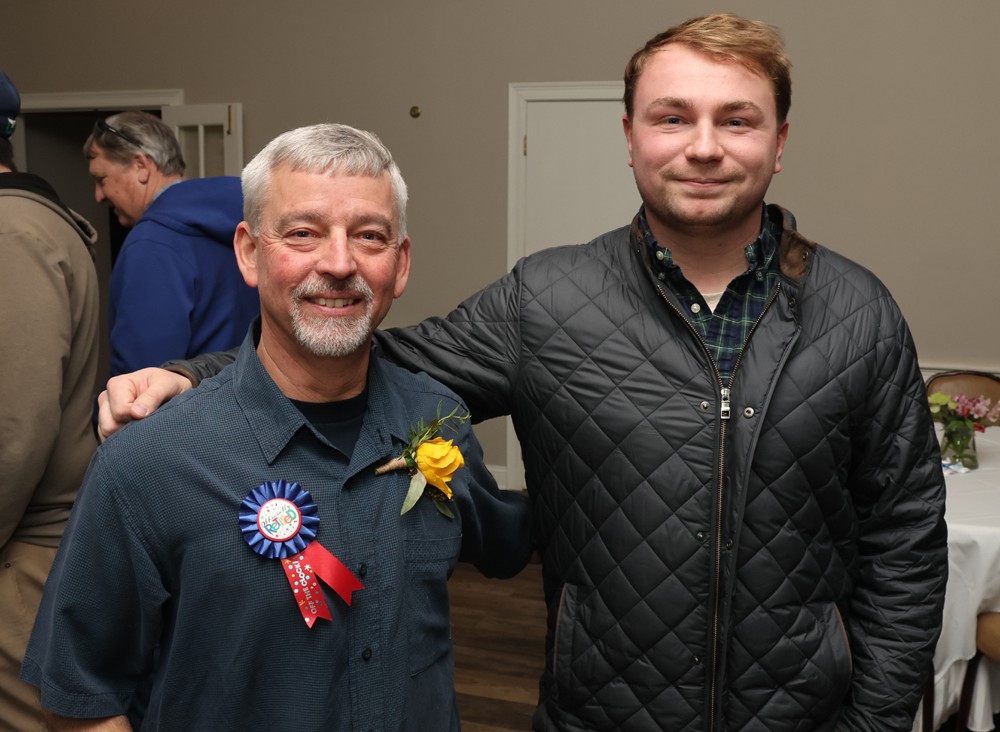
498	627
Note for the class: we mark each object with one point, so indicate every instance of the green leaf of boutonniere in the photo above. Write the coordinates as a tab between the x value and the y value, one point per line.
443	508
417	484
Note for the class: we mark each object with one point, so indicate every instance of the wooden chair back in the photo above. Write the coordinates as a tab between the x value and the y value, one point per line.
970	383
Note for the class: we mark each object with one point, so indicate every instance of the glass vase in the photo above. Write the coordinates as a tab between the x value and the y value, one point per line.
958	445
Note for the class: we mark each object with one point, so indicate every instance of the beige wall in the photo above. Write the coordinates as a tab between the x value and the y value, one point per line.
892	158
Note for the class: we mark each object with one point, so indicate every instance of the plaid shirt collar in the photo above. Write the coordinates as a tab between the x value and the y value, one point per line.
760	253
725	330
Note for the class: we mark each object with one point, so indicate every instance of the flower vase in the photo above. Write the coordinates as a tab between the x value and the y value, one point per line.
958	445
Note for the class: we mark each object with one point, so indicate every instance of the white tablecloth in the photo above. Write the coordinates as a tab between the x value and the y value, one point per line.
973	516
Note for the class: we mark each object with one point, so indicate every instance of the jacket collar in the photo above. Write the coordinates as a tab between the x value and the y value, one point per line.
795	250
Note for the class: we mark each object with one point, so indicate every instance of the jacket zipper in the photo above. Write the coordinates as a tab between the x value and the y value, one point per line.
725	407
722	464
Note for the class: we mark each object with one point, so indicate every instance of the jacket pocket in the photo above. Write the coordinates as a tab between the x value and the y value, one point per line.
428	565
568	692
846	641
832	666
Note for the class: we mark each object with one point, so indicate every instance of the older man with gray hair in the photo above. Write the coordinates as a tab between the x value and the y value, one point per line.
175	289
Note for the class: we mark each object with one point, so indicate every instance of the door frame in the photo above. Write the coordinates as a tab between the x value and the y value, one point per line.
520	95
89	101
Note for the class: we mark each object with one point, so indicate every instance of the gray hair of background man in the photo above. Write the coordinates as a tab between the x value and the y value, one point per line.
324	148
127	133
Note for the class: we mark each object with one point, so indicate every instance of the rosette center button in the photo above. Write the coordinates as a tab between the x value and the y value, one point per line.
279	519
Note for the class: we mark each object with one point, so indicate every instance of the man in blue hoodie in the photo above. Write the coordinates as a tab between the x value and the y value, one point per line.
175	288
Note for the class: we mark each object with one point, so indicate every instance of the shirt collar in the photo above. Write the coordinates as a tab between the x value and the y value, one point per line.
274	420
760	253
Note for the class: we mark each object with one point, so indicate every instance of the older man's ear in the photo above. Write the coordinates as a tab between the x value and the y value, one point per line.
402	267
245	247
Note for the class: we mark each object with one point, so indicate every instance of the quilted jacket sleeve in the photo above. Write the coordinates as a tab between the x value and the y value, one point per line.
201	367
473	350
898	490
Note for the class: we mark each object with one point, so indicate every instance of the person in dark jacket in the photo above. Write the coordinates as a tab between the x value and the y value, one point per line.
736	487
175	289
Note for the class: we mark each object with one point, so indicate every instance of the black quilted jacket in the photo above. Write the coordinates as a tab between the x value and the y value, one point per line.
778	567
782	568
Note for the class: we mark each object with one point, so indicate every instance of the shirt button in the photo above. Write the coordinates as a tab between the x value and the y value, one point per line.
759	275
661	277
700	536
366	655
659	254
362	570
695	308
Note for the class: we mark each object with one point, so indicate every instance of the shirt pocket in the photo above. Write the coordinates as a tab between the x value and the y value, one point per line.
428	564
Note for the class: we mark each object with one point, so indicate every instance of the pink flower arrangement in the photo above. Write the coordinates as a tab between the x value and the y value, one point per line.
978	413
961	418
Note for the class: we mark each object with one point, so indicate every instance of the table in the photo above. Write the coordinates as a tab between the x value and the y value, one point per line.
973	516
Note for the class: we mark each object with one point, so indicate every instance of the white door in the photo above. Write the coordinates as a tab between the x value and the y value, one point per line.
211	137
568	178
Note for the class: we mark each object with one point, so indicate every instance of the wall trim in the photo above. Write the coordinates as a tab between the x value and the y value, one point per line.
87	101
98	100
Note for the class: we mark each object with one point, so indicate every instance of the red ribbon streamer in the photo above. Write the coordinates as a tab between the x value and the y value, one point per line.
302	571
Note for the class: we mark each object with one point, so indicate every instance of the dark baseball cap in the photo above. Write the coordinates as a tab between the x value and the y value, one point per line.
10	106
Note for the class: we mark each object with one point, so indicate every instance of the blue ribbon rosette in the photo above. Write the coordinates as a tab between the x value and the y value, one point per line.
279	520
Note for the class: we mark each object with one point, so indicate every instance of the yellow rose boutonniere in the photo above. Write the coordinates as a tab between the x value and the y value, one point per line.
438	459
431	461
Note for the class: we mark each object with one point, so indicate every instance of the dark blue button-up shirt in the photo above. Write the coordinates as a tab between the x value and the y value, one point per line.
154	584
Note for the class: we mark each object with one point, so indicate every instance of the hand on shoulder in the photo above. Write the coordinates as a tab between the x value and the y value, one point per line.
135	395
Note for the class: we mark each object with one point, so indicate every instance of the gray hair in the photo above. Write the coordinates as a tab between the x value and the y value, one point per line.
324	148
123	135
